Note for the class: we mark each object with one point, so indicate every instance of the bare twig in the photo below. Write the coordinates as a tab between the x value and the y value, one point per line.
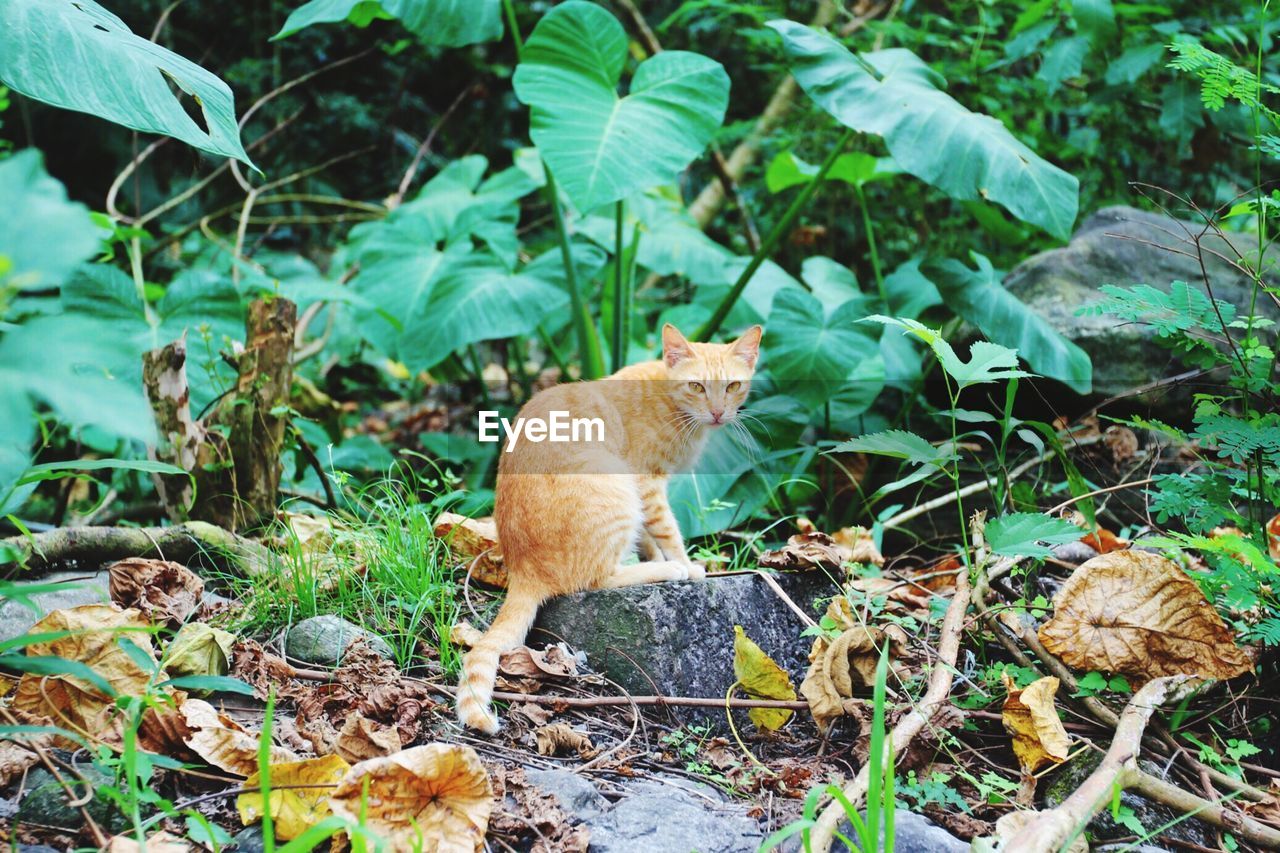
410	172
913	723
608	701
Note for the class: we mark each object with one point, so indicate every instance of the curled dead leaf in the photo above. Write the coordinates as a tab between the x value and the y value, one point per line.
474	541
1010	824
295	803
838	665
1273	538
861	545
760	677
224	743
435	798
812	550
362	738
199	649
1139	614
556	661
1030	717
17	756
1121	441
165	591
96	631
561	738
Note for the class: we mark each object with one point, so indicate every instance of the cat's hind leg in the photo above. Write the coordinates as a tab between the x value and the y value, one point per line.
648	572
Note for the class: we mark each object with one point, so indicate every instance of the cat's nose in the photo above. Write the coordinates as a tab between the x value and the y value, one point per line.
716	415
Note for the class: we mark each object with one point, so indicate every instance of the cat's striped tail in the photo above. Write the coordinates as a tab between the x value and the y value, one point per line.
480	665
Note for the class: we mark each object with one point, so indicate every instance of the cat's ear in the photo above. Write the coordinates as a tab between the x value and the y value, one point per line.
675	348
747	346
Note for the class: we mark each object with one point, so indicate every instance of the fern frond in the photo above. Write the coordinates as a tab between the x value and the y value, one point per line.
1183	309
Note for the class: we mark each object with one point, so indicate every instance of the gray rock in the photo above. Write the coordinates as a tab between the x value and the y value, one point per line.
1064	781
248	840
323	640
81	588
1074	552
913	833
676	639
1114	246
44	801
674	817
578	797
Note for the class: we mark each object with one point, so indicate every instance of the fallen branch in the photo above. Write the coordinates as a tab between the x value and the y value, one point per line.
180	543
607	701
913	723
1050	830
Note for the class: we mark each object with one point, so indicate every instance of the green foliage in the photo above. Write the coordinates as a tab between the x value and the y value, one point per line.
448	23
1026	534
893	94
43	235
1221	80
82	57
601	147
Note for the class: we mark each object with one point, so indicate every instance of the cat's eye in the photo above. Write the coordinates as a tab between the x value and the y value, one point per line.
697	386
733	386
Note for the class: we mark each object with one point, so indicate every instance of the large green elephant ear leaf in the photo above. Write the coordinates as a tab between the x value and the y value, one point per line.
967	155
602	147
980	298
814	353
79	56
447	23
43	235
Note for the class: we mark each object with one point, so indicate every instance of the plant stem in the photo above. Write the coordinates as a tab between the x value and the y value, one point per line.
588	342
513	25
620	288
779	230
871	245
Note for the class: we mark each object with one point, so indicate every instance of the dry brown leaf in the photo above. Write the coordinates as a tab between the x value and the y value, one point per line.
475	542
16	757
538	811
810	550
295	805
862	548
164	591
259	668
1030	716
1122	443
361	739
1139	614
160	842
69	701
838	665
435	798
553	662
224	743
900	596
561	738
1269	808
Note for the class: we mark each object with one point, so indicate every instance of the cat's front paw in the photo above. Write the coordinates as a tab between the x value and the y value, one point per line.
697	571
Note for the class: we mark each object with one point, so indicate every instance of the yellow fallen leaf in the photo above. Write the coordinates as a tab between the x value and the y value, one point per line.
1139	614
1030	716
435	798
861	545
69	701
761	678
222	742
199	649
294	808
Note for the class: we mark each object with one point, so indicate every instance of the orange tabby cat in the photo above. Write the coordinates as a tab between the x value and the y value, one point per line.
569	513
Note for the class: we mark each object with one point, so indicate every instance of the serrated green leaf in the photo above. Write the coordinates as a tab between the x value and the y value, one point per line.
898	444
1020	534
